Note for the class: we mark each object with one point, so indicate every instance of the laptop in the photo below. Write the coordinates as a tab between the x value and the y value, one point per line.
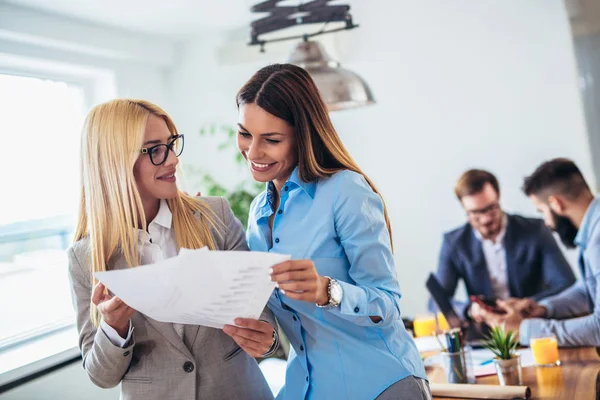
474	332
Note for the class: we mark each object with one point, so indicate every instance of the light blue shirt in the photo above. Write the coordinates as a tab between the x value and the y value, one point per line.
337	353
575	312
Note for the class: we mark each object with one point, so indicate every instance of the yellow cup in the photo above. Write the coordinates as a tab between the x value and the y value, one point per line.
424	325
545	351
549	381
442	323
549	377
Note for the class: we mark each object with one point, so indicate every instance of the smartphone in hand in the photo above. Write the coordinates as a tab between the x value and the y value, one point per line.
487	303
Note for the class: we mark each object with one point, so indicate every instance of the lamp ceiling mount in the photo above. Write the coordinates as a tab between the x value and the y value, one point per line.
311	12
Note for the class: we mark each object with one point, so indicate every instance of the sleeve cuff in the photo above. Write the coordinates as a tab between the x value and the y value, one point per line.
549	309
114	337
533	327
524	332
354	301
275	344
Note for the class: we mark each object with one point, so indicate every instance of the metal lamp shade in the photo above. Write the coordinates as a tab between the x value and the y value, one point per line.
341	89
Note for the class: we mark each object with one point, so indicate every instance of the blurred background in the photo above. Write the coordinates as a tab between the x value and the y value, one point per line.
495	84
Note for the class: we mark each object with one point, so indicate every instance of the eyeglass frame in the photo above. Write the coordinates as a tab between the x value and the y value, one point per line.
148	150
489	209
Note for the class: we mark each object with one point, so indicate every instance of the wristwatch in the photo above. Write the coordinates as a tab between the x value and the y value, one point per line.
334	292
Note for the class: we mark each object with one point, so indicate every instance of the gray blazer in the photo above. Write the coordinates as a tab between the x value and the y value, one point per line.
157	364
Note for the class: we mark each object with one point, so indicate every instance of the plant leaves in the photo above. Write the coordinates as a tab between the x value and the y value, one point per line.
242	194
502	343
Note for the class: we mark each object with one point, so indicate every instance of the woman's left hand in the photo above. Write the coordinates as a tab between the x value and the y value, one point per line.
253	336
299	280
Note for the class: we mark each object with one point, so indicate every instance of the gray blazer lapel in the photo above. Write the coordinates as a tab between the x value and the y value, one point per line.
164	328
190	332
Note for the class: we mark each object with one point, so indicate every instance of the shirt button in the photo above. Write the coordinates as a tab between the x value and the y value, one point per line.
286	189
188	367
276	240
301	348
294	317
307	379
356	309
280	212
126	353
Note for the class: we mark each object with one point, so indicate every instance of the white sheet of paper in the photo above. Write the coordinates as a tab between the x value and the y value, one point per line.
428	343
199	287
480	356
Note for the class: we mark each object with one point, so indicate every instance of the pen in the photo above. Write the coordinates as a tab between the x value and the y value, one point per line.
439	341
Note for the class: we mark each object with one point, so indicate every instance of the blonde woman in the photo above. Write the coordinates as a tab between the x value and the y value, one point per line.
132	214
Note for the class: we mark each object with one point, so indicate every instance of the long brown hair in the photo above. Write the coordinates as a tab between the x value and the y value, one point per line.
289	93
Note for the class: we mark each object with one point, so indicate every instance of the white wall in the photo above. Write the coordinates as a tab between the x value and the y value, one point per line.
488	84
460	84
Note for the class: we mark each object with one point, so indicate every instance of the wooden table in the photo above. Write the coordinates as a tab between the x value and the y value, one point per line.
578	377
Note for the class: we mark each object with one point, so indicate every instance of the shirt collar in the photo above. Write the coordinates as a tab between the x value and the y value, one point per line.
293	182
308	187
164	217
500	236
589	219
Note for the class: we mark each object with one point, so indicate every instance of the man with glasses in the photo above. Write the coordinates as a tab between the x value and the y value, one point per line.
498	255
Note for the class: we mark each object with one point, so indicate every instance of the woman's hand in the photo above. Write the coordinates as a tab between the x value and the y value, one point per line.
299	280
253	336
114	312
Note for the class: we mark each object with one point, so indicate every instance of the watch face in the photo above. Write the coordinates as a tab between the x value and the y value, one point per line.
336	292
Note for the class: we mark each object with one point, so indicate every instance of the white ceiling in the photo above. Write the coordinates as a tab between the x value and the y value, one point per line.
164	17
178	18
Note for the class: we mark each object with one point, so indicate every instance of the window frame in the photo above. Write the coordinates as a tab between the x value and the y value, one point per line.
56	347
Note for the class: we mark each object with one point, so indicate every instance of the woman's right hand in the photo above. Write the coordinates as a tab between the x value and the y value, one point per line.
113	310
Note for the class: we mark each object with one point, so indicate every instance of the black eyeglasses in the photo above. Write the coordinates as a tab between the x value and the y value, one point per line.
159	153
492	208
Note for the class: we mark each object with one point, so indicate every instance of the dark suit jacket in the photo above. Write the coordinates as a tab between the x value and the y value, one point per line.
535	265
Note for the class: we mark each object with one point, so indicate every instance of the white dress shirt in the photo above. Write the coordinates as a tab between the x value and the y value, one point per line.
495	258
157	245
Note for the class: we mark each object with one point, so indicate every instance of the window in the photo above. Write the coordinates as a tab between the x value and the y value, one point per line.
41	121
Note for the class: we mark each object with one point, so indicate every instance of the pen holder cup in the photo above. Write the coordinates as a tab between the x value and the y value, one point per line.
458	366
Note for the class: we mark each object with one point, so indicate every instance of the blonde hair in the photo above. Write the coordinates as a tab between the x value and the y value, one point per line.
289	93
110	207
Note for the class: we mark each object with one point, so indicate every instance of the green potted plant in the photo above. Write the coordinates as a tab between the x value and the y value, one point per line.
507	362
